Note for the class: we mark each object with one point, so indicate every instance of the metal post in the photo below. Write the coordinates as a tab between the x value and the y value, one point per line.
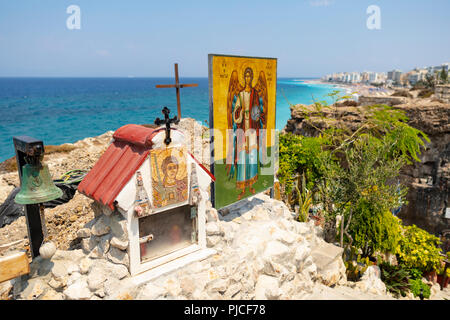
32	212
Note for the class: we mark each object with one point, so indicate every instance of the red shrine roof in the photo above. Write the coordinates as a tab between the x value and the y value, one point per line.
132	143
116	166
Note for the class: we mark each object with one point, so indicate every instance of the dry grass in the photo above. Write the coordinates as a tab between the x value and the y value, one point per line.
402	93
64	148
10	165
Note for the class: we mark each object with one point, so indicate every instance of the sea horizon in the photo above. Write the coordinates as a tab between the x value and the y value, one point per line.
61	110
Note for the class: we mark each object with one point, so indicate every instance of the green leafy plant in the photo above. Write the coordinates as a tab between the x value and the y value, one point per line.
355	264
304	200
417	286
419	249
300	155
415	273
373	230
396	279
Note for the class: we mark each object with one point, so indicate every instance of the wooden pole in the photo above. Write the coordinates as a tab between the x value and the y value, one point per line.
177	86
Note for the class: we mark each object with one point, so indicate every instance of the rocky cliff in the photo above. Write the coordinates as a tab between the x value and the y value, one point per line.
428	180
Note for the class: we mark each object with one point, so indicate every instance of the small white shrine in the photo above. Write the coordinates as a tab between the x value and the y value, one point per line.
153	196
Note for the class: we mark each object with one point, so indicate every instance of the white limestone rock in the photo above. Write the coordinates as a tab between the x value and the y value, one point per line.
267	287
84	233
78	290
118	256
276	251
119	244
212	215
34	289
213	229
371	281
85	265
88	244
96	279
101	227
150	292
218	285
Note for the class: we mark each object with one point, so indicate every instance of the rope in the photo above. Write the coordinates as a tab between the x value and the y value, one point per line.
72	176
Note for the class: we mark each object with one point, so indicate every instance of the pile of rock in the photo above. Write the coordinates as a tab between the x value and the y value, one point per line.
105	236
262	253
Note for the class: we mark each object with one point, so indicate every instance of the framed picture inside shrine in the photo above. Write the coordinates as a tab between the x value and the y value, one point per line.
242	97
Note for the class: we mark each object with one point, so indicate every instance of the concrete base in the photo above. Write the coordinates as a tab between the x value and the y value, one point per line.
171	266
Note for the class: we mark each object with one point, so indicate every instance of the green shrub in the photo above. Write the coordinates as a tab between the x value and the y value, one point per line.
416	285
396	279
300	155
373	230
415	273
419	249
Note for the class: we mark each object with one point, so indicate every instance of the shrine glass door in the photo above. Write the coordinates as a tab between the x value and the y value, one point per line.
166	232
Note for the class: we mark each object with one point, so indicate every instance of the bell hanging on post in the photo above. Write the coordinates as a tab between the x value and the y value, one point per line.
37	185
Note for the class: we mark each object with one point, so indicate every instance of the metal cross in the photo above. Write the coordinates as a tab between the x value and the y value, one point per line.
177	85
167	121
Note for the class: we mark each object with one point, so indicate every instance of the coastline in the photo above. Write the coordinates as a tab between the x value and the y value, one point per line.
355	89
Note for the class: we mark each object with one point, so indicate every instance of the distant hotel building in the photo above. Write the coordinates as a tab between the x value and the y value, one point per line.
391	78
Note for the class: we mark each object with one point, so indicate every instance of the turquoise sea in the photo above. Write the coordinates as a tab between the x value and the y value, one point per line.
60	110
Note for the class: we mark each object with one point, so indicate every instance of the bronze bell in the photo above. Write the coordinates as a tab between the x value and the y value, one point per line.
37	185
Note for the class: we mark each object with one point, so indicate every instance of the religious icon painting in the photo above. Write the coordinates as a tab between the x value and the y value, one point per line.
242	116
169	177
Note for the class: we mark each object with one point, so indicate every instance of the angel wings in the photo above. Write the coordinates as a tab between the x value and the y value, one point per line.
234	89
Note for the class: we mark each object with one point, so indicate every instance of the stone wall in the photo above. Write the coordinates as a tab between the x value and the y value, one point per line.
442	92
388	100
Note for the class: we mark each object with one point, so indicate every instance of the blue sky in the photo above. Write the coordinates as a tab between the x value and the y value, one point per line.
144	38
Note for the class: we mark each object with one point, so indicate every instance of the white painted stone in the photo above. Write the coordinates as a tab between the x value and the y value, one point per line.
118	256
232	291
212	215
302	228
101	227
212	241
52	295
34	289
276	251
100	293
78	291
150	292
119	244
267	287
88	244
218	285
69	255
96	279
74	277
213	229
72	268
85	265
302	251
59	270
56	284
371	281
84	233
172	287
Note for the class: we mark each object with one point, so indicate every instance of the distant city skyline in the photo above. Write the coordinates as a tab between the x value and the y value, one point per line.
310	38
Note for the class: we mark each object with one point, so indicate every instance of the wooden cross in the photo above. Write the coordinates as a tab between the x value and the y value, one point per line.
167	121
177	85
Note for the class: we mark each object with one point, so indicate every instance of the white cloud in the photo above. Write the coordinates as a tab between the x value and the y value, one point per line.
321	3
